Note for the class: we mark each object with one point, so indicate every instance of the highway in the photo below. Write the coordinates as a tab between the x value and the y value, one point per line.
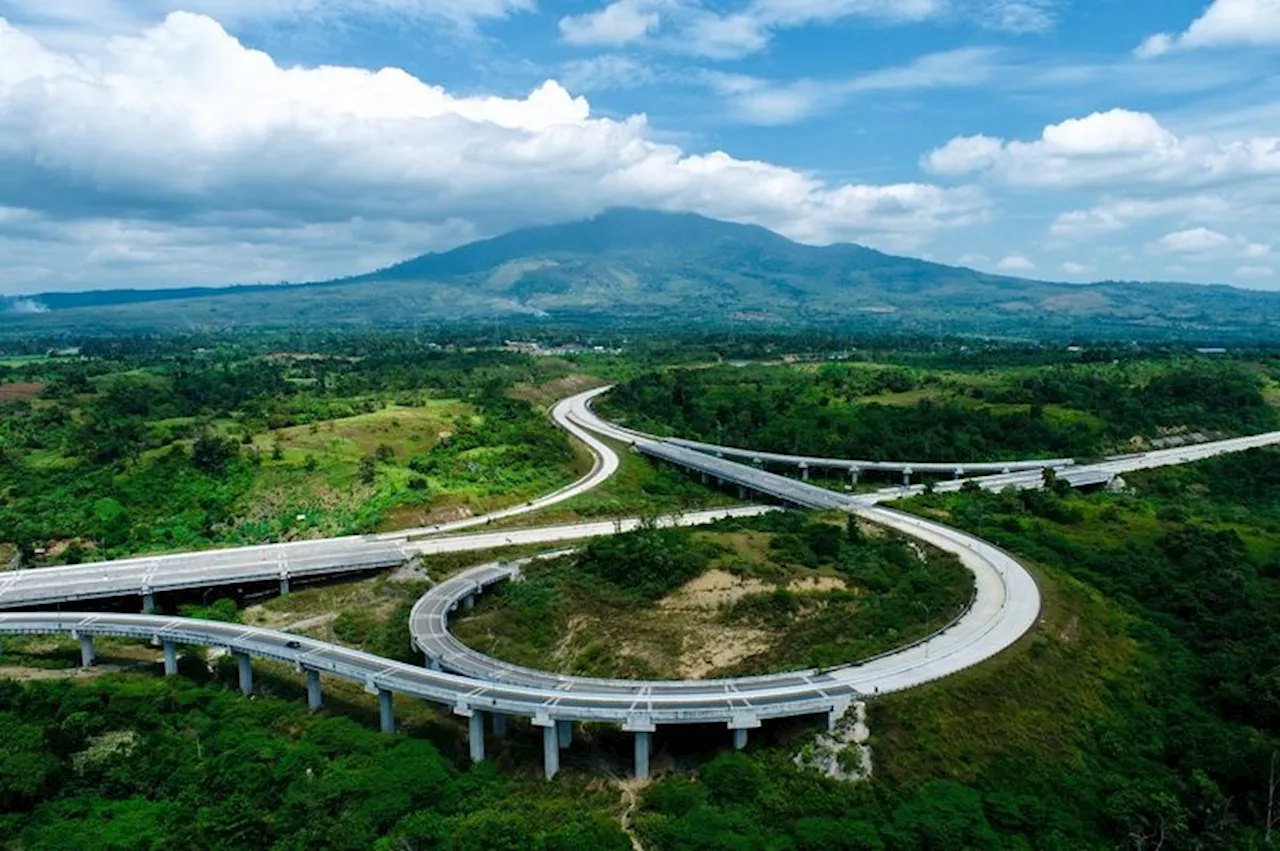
1006	605
806	462
145	577
604	465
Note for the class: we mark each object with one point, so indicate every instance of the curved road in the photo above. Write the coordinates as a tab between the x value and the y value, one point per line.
1006	605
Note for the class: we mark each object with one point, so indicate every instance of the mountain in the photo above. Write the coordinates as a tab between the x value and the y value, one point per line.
642	268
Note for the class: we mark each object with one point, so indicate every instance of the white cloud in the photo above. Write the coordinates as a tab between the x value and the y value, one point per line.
1116	214
182	134
1225	23
1119	147
69	19
709	29
1193	241
609	71
1076	269
618	23
758	101
1015	263
1019	16
1205	243
1254	272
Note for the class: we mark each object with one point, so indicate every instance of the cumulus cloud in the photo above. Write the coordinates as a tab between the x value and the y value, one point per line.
1205	243
1116	147
183	133
1225	23
1015	263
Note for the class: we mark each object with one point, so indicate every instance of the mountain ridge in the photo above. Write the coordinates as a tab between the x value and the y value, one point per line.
641	267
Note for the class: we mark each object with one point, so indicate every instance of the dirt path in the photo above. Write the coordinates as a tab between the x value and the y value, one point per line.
21	672
631	790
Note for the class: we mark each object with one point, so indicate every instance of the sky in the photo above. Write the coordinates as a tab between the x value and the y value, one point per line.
152	143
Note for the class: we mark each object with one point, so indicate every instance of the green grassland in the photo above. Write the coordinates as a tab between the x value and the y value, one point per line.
743	597
118	456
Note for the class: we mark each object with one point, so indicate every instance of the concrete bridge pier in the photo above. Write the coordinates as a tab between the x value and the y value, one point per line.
564	733
86	651
469	602
906	477
170	659
386	712
475	735
804	471
742	492
740	739
644	743
499	723
706	480
433	663
246	673
853	475
550	751
148	602
959	474
315	697
284	585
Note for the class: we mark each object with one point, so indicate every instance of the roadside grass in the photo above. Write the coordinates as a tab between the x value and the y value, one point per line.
640	487
548	393
406	431
1033	703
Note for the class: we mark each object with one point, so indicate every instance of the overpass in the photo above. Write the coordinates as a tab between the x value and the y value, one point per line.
1005	606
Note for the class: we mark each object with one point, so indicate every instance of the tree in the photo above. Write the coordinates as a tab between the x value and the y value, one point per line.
368	469
1272	785
212	453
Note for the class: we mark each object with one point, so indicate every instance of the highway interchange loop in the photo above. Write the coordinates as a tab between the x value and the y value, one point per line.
1005	605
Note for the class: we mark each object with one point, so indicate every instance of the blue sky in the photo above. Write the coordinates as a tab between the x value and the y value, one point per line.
161	142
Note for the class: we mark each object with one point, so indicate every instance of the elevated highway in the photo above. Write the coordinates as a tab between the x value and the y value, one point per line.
1005	606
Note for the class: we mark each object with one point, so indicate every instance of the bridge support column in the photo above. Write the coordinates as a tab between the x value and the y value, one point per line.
740	739
246	674
148	603
315	697
644	741
959	474
853	475
170	659
86	651
475	735
804	472
469	602
742	492
550	752
564	733
386	712
499	723
433	663
906	478
284	586
706	479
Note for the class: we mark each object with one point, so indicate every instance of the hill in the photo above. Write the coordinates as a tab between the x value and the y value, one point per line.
642	268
